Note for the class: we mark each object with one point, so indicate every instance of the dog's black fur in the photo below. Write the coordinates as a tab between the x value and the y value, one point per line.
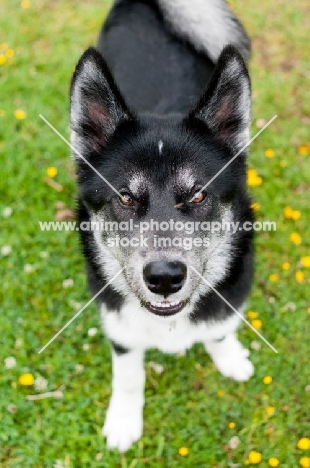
156	72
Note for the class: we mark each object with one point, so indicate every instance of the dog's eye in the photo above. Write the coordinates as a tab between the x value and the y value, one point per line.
126	199
198	197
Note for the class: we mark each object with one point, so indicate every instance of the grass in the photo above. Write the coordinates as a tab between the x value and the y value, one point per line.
190	404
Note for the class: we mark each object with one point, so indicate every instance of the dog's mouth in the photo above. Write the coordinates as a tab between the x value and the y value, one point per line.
165	308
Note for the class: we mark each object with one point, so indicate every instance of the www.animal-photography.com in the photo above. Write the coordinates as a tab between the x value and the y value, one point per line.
154	243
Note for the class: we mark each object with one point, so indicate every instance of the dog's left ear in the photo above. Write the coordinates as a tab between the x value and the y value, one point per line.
225	106
97	107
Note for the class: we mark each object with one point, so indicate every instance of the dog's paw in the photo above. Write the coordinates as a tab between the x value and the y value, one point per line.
237	367
122	427
231	359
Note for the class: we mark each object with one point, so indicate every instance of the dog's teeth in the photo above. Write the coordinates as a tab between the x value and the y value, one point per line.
164	304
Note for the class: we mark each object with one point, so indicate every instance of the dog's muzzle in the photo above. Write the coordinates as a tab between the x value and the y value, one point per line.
165	278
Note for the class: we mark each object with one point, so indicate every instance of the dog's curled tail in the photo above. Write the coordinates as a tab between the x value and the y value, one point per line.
209	25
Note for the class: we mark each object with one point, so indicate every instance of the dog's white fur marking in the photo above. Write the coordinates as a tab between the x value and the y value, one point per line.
136	183
139	330
136	328
160	146
124	419
185	178
231	358
208	24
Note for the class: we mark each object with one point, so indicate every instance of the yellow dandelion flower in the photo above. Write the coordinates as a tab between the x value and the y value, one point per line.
273	461
288	211
270	410
20	114
295	238
220	393
232	425
305	261
303	150
3	46
267	379
2	59
283	163
9	53
269	153
252	315
253	179
286	266
255	457
303	443
2	112
274	277
26	379
51	171
305	462
257	324
25	4
183	451
255	206
296	214
299	276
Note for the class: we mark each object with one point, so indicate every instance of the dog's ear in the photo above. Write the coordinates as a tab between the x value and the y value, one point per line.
225	106
96	105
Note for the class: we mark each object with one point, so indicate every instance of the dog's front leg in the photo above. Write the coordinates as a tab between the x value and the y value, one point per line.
230	357
124	419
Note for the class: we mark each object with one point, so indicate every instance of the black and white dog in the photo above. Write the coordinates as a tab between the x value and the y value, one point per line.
158	119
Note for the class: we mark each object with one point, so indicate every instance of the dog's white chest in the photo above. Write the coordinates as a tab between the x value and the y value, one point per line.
134	328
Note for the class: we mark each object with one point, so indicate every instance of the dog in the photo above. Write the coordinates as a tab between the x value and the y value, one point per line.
157	119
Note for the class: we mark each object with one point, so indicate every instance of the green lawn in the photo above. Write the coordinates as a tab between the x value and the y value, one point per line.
190	404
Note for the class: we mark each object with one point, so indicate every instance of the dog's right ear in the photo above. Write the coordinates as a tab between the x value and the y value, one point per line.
96	105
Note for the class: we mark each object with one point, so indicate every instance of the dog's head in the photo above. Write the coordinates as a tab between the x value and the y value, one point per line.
148	176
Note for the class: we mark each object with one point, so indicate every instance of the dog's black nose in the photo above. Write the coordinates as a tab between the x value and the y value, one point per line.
164	277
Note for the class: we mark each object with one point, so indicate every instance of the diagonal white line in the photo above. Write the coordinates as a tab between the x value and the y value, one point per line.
236	155
80	155
235	310
80	311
